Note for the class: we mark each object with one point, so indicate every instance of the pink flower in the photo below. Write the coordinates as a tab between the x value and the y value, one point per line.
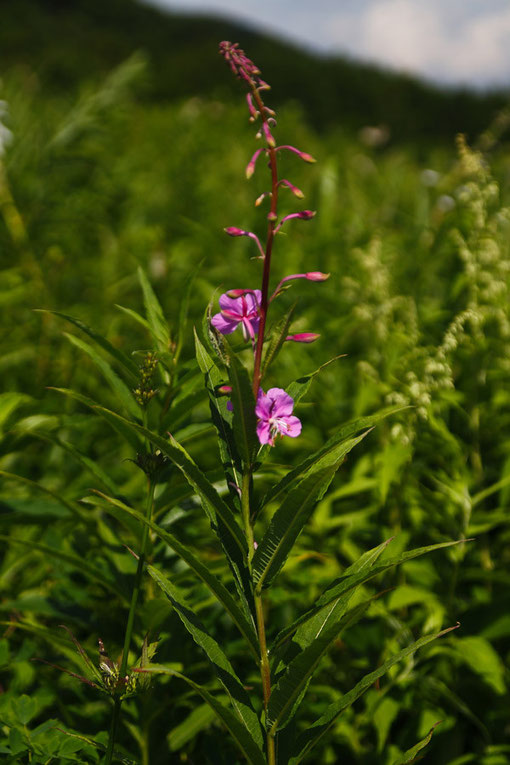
238	310
274	412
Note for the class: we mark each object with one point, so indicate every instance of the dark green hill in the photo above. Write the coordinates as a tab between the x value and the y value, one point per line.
66	42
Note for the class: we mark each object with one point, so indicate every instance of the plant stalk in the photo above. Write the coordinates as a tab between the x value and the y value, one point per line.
265	671
130	623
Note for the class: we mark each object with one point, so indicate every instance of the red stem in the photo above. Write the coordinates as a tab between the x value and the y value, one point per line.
257	373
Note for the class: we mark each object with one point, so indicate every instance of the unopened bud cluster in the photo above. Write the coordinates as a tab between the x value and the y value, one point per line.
145	390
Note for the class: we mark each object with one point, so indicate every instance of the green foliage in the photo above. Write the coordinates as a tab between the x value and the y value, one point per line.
417	303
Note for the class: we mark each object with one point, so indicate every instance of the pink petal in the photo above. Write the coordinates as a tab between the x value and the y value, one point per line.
263	407
233	305
293	427
264	433
283	403
224	325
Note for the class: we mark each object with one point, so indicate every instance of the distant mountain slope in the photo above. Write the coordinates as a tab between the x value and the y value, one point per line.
68	41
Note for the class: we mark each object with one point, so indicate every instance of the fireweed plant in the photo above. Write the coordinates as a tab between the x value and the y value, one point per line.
250	420
268	720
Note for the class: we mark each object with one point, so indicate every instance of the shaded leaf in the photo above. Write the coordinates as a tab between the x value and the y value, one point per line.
251	750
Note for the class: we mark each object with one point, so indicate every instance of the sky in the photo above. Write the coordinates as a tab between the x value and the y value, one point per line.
450	42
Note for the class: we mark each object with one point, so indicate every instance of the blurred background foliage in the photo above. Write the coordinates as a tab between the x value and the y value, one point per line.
120	159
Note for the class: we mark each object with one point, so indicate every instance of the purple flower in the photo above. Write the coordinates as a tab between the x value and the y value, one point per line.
238	310
274	412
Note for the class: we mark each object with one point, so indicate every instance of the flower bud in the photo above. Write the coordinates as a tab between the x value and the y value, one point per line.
272	216
302	154
297	192
268	135
225	390
233	231
316	276
250	167
303	337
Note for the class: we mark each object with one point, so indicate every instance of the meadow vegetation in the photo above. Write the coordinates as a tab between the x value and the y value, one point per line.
112	210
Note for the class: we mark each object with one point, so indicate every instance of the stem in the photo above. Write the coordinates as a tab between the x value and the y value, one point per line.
130	622
265	671
257	374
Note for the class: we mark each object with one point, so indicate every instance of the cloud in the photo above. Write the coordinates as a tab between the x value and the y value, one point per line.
441	41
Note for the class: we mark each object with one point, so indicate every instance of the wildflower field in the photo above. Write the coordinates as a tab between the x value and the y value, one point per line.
254	458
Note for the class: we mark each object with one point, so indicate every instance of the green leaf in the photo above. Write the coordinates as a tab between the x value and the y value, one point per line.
300	387
183	310
219	513
221	418
276	340
128	364
232	684
73	560
213	583
410	755
481	658
75	509
155	316
309	630
135	316
24	708
88	463
117	385
353	579
246	743
198	719
293	513
245	420
329	447
309	738
9	402
131	436
281	703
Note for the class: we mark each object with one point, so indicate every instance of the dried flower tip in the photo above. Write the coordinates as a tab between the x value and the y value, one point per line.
250	167
303	337
297	192
302	154
261	198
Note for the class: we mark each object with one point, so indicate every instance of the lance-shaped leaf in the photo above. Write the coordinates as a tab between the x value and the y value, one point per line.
351	580
276	341
309	630
155	316
301	668
73	560
183	310
300	387
245	420
71	506
293	513
222	666
117	385
127	364
410	756
250	749
309	738
219	513
118	424
88	463
135	316
215	586
329	448
221	418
